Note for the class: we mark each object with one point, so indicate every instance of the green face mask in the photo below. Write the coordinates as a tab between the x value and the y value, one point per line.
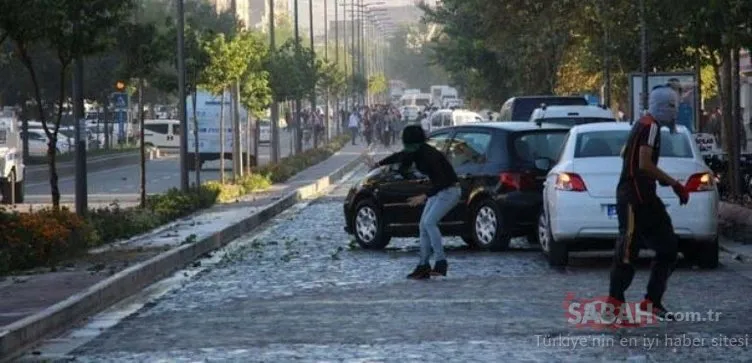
411	148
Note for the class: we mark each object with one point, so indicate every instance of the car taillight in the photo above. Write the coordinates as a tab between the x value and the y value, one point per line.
570	182
700	182
517	181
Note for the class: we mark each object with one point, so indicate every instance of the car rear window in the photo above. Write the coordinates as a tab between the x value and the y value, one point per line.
574	121
529	146
523	107
597	144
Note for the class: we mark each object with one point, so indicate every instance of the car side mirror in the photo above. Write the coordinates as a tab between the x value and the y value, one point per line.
542	164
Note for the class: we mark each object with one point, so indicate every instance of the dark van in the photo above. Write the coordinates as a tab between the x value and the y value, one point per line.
521	108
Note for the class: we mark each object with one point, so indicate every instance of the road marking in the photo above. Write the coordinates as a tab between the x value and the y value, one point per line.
397	302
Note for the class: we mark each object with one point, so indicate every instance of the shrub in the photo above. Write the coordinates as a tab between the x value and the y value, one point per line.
45	237
41	238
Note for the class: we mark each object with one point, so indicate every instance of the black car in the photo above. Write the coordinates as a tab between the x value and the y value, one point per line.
501	166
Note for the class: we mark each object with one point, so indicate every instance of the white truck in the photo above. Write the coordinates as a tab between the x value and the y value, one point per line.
442	95
207	114
12	168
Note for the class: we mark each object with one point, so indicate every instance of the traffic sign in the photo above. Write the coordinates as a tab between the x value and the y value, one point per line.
120	100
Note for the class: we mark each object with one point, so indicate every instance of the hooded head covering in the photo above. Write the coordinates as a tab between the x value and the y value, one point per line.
412	137
664	106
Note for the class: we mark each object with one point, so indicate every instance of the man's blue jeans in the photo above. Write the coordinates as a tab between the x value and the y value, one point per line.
354	133
435	209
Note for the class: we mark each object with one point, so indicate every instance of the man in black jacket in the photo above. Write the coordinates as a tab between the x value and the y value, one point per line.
439	200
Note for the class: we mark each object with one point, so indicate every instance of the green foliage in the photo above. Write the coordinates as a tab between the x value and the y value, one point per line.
291	71
378	83
332	78
410	58
358	83
255	91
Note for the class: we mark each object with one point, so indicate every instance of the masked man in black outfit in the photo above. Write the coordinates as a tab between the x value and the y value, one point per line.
642	215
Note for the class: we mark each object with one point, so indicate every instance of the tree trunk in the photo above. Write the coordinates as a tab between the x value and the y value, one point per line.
256	133
26	60
237	145
196	150
52	136
728	136
248	155
222	137
142	146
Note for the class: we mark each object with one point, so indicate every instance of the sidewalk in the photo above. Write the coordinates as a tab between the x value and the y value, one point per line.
23	296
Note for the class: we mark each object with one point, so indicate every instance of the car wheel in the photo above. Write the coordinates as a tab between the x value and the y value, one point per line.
367	226
706	254
487	227
556	253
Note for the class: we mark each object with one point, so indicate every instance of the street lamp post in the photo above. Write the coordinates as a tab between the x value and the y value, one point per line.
352	47
184	182
298	126
643	58
313	69
327	120
275	105
336	60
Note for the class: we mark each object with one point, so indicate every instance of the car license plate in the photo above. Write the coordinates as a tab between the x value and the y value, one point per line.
611	211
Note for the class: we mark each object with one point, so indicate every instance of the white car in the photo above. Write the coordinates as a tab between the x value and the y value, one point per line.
579	197
38	143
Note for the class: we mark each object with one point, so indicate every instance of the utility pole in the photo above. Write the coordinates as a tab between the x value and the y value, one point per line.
184	181
352	39
275	103
314	110
237	144
298	106
643	58
81	197
344	56
336	61
326	60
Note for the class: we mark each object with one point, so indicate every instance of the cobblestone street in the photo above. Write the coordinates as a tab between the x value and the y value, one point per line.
300	290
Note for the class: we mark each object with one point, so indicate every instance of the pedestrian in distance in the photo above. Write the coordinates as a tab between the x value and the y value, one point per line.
353	125
642	215
438	201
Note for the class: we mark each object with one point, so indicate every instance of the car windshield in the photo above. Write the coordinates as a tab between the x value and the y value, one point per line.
529	146
422	101
596	144
574	121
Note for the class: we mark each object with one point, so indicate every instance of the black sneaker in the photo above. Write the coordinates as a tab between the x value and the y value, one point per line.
440	268
421	272
657	309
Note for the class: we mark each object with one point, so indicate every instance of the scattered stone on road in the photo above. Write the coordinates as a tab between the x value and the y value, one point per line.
300	290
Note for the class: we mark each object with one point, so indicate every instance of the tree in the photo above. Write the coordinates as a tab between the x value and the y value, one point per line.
255	92
72	29
377	84
227	63
143	49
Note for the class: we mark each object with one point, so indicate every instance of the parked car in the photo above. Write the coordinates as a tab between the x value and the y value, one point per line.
501	167
521	108
445	118
579	208
162	133
38	142
572	115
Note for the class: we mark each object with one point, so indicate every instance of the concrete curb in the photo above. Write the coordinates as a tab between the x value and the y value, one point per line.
24	333
40	173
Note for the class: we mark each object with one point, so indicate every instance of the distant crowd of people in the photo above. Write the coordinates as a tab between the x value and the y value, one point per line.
376	123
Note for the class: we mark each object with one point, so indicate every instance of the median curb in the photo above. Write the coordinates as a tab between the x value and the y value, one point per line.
23	334
40	173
